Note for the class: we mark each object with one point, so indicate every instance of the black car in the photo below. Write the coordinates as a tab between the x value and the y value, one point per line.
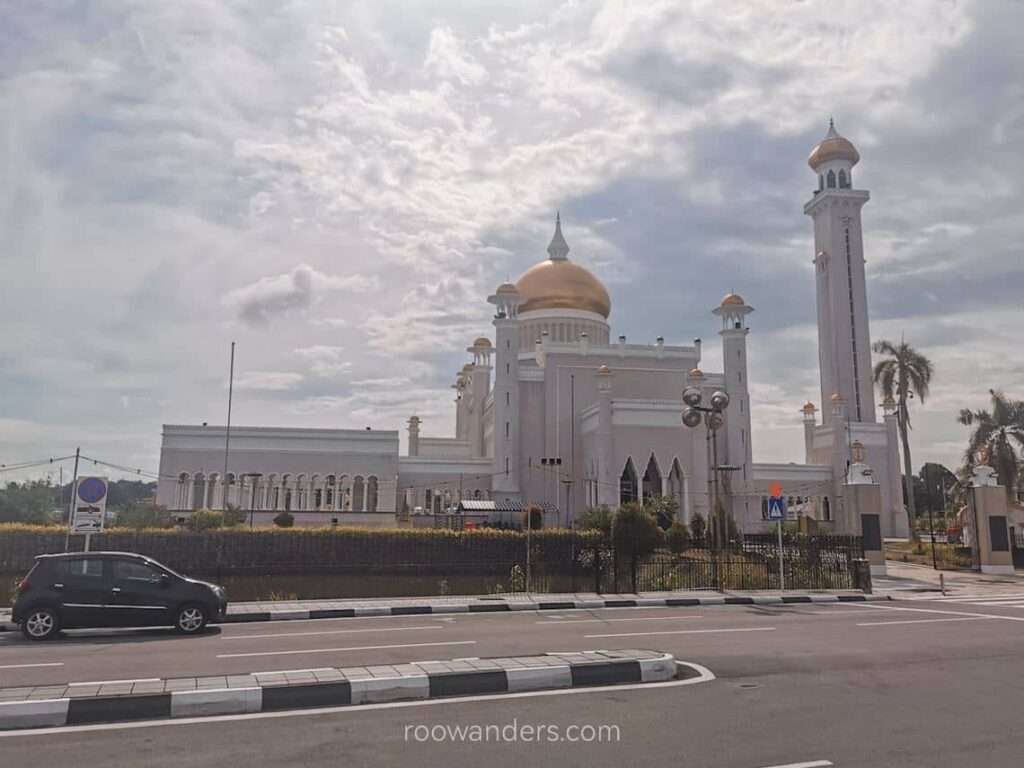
111	589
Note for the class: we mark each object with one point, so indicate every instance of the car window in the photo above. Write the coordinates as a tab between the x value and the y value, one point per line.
82	567
129	569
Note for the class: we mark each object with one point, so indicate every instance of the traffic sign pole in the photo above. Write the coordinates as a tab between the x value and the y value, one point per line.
71	501
781	560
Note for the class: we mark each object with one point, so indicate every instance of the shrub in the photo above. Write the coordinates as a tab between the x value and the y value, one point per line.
533	518
597	519
139	516
664	509
284	520
677	537
634	532
205	520
233	516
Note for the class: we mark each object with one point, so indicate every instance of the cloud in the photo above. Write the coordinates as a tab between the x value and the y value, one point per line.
168	166
268	381
297	290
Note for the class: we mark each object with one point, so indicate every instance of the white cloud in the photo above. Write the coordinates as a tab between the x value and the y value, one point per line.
297	290
268	381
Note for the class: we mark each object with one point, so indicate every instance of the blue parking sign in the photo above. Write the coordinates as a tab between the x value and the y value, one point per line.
776	508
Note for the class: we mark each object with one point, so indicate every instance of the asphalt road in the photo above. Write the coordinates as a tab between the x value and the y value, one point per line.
899	684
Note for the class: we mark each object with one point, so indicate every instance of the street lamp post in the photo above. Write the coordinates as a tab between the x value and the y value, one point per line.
712	417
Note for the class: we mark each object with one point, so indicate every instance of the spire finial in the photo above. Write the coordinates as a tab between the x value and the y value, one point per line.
558	249
832	132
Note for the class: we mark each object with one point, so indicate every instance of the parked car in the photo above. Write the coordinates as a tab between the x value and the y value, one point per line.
111	589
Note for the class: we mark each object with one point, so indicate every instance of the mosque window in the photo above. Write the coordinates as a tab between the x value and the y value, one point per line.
628	483
506	430
821	182
831	179
844	180
371	494
357	494
507	398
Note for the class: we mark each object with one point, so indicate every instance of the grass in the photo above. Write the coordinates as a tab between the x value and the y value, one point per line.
947	556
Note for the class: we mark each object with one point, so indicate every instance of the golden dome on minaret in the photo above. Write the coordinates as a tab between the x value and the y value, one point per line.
558	283
732	299
833	147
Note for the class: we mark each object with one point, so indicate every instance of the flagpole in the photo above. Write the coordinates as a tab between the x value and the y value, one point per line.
227	432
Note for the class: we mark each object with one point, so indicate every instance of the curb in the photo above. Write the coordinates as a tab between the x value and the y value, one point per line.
557	605
335	688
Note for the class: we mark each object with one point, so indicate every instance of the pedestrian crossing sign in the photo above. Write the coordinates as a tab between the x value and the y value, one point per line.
776	508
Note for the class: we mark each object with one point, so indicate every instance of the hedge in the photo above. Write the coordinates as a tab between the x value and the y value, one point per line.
283	550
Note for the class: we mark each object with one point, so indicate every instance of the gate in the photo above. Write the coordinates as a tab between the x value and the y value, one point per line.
1017	547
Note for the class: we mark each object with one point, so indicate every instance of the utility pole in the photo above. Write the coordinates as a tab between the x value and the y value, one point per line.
71	500
227	432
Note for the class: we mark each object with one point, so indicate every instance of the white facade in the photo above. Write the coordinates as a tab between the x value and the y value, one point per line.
557	412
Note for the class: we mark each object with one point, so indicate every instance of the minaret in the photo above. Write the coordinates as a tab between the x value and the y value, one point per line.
844	343
479	385
810	422
505	480
607	477
734	310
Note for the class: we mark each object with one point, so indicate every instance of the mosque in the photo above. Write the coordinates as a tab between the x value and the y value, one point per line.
552	409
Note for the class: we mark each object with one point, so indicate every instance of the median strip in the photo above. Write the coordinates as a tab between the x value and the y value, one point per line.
22	708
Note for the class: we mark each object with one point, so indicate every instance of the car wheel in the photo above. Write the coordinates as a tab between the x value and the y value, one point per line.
40	624
190	619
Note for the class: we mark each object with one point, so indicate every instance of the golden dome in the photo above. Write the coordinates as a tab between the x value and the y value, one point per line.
809	407
603	370
558	283
833	147
732	299
506	288
836	397
482	341
696	373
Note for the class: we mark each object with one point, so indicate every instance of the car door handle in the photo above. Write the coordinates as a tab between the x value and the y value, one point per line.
115	590
58	586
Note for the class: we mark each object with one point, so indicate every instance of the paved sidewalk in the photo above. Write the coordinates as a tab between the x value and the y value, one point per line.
904	577
57	705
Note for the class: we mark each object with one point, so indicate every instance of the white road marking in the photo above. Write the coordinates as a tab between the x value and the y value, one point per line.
27	666
704	675
924	621
289	671
812	764
331	632
341	650
114	682
686	632
953	613
568	622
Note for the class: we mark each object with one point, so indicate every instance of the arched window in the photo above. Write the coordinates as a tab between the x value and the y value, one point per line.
628	483
357	494
371	494
652	480
826	509
198	491
821	182
331	482
844	180
211	490
301	495
831	179
183	491
675	483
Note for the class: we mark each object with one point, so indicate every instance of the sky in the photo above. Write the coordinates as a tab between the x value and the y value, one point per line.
337	187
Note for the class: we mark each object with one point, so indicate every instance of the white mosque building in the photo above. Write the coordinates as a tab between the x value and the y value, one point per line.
552	409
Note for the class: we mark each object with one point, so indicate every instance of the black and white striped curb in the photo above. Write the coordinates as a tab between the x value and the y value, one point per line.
498	606
541	605
329	687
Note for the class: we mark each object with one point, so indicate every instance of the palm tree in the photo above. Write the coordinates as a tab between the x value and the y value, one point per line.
904	374
993	439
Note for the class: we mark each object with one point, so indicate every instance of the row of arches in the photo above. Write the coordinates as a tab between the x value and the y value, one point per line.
831	181
279	492
654	482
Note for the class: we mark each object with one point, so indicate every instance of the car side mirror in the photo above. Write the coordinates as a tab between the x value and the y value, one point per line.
165	581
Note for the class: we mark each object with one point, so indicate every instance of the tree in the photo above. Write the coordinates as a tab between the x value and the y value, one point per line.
205	520
698	526
139	516
664	509
677	537
635	533
997	437
233	516
597	519
30	502
901	376
284	520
